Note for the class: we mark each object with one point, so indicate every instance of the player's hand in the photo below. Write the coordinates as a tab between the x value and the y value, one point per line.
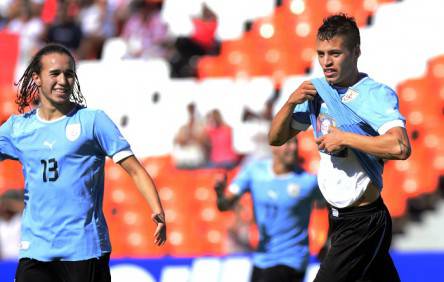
160	234
331	142
221	184
305	91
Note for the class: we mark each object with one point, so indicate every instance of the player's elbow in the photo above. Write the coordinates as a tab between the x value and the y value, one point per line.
405	153
223	206
274	139
400	153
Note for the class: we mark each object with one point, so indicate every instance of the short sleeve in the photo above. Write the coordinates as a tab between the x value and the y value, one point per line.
242	182
109	138
7	149
384	111
301	117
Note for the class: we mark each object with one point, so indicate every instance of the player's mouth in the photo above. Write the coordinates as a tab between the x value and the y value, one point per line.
61	92
329	72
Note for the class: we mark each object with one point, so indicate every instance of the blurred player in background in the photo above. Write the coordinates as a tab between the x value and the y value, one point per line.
357	124
282	195
62	146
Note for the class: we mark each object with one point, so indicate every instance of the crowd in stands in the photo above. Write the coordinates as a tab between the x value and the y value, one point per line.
84	26
206	143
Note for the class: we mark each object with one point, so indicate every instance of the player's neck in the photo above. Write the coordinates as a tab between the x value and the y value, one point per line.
52	112
352	80
280	168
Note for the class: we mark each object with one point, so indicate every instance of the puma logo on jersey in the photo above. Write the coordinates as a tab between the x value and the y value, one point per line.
49	144
272	194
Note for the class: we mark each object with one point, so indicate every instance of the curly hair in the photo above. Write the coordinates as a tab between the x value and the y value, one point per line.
340	25
27	90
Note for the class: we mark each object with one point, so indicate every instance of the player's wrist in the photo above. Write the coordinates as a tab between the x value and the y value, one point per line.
158	217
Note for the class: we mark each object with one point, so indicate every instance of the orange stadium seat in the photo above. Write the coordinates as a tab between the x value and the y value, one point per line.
318	230
11	175
158	166
282	43
308	151
9	54
354	8
185	240
418	178
435	75
211	66
394	196
276	51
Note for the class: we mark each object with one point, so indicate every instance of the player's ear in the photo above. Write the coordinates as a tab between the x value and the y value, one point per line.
357	51
36	79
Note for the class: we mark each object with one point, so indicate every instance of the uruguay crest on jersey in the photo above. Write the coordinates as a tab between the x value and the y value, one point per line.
73	131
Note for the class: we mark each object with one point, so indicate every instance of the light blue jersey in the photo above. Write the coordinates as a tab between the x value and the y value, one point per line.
282	207
63	165
366	108
374	102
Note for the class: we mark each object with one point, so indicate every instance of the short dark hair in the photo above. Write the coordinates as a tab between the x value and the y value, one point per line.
340	25
27	92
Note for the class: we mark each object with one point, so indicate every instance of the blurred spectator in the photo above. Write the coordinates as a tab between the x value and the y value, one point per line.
28	25
97	24
266	113
4	12
11	207
201	42
145	32
261	121
222	154
190	146
65	30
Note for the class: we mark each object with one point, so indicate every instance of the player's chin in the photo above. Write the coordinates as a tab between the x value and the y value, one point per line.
61	100
331	80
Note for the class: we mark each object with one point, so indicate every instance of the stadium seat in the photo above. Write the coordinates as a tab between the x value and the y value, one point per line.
9	55
308	151
394	196
418	178
435	76
158	165
211	66
11	175
318	230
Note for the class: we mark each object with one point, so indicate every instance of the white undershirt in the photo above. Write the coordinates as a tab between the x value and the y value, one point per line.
342	180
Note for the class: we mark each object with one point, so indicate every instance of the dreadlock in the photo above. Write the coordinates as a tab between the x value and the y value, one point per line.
27	90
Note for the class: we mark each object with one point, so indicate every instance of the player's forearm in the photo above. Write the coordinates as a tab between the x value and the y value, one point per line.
280	130
143	182
224	203
148	190
386	146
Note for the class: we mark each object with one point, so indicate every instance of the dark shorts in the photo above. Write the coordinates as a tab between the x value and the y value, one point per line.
360	241
91	270
281	273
